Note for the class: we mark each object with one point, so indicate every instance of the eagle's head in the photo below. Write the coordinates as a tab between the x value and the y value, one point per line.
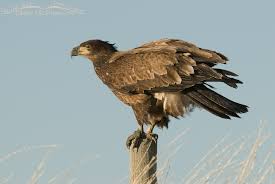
95	50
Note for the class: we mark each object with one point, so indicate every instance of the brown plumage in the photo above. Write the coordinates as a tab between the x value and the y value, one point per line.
163	78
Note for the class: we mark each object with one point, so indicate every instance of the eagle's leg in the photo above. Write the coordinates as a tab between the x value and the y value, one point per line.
150	134
136	137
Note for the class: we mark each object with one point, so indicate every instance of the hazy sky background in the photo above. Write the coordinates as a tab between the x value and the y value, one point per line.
47	98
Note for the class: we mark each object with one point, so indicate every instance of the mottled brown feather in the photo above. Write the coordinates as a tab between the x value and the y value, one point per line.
166	78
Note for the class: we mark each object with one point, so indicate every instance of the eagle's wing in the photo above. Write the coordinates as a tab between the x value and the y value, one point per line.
167	64
198	54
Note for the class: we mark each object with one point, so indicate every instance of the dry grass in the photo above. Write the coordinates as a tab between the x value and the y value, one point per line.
239	162
38	172
64	177
242	161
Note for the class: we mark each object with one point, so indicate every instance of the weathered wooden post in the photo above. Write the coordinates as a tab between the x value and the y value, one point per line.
143	162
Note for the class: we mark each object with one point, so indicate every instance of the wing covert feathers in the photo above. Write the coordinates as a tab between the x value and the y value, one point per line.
164	63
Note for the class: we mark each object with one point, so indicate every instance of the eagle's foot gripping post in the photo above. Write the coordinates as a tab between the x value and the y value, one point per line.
138	137
135	139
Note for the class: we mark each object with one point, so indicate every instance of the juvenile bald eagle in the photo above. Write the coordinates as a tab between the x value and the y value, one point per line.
163	78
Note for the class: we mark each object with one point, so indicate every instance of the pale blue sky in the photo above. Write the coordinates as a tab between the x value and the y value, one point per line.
47	98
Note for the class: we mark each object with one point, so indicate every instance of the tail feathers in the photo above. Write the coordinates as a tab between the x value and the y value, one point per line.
215	103
221	100
208	108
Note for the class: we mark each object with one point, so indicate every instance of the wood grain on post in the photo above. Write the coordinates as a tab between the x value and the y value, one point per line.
143	163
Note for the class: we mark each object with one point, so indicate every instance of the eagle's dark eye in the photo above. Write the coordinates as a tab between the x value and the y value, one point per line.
88	46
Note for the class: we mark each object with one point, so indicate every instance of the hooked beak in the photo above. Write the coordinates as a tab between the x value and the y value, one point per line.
75	51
